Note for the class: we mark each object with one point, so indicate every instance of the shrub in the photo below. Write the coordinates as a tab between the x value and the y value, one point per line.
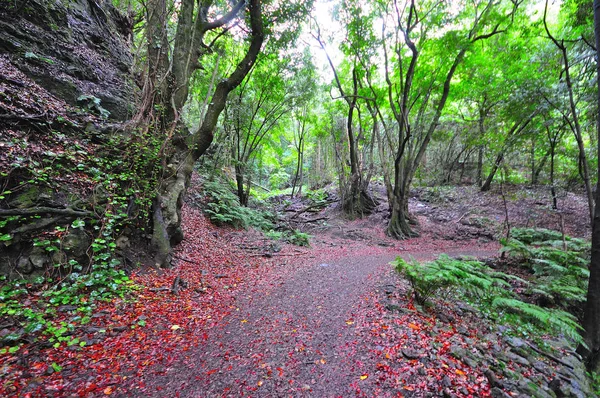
318	196
486	288
223	207
297	238
560	275
428	279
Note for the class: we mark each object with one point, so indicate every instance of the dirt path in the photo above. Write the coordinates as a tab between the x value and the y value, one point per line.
297	337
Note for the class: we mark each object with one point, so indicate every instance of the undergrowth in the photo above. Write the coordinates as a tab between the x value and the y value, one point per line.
223	207
559	266
123	174
492	291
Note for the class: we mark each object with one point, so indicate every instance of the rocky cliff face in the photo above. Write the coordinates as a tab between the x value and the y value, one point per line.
65	86
75	49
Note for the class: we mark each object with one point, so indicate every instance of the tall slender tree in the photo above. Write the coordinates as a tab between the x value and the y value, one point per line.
591	318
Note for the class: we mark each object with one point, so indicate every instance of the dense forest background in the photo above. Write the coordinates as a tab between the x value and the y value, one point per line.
109	110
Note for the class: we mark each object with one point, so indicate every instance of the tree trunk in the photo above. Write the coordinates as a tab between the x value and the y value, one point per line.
358	202
239	182
535	179
301	179
575	125
514	131
398	227
182	150
479	176
552	187
488	181
591	318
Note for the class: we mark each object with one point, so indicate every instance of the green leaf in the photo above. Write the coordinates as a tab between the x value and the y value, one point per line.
5	237
78	223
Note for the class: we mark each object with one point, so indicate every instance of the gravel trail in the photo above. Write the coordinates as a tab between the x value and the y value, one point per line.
294	338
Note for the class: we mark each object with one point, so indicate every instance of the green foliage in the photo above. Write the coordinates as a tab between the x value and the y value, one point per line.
279	179
561	275
81	291
223	207
429	278
93	104
515	311
297	238
318	196
487	288
294	237
124	174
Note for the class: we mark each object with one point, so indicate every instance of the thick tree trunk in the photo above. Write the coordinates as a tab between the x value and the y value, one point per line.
167	206
398	227
182	150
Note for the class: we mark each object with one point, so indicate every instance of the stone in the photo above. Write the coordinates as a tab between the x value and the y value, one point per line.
541	367
59	257
123	242
466	307
490	337
470	362
446	382
502	329
24	266
458	352
522	351
492	378
88	55
410	353
28	198
76	242
515	342
556	385
446	318
39	258
499	393
518	359
462	330
67	308
527	387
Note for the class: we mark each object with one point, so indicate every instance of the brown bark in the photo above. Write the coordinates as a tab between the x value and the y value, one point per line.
517	128
574	123
179	161
591	319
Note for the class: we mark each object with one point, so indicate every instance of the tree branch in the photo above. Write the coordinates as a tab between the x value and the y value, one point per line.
30	211
225	19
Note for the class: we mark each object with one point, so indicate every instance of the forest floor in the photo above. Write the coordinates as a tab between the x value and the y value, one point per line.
332	319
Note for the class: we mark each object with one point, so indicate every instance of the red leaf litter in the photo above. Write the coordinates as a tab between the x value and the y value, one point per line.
305	322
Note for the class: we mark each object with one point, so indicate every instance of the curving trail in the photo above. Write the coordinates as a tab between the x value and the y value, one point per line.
301	333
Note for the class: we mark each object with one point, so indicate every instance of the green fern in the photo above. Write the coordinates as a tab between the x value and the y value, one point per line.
492	292
560	276
547	319
223	207
471	276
